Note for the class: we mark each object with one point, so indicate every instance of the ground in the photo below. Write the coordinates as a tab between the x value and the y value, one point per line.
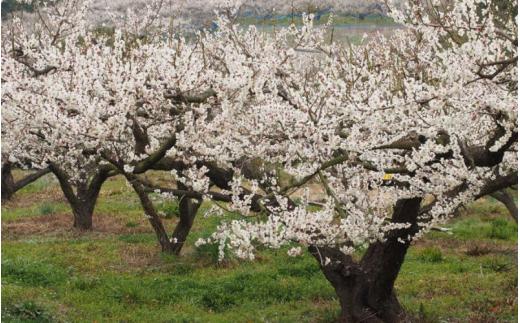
51	273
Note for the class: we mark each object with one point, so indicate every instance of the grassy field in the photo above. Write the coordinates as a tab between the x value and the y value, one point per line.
50	273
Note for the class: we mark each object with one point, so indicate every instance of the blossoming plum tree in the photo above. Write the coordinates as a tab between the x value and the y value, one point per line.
399	132
202	76
64	89
89	105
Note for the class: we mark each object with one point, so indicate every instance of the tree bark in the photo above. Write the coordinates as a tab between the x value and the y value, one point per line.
366	288
151	213
83	212
83	204
10	186
83	201
188	208
505	198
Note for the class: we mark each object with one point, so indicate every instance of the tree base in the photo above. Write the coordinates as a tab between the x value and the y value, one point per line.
83	216
365	288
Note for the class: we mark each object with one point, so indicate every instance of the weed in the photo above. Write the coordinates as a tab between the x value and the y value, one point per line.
26	312
501	229
301	269
425	316
497	265
85	283
218	299
169	209
432	255
131	224
46	209
137	238
208	252
32	273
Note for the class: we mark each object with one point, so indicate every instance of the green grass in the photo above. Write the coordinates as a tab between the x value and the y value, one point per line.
40	209
469	275
433	255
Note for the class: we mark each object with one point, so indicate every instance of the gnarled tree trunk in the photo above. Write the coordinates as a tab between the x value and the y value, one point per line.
366	288
188	207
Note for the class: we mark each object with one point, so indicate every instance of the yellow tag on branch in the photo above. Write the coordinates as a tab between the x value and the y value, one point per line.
388	177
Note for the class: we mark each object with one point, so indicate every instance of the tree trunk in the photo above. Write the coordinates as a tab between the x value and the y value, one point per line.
83	210
83	201
505	198
8	187
366	288
189	204
356	288
151	213
188	210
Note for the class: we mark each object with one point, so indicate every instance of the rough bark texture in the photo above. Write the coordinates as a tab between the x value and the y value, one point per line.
188	207
188	210
83	212
366	288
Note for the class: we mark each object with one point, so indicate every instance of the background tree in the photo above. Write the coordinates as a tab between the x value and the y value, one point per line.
51	95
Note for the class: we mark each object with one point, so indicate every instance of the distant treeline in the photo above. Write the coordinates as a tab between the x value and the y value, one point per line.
258	12
9	6
319	18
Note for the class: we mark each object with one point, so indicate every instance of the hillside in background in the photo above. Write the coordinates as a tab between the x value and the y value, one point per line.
195	14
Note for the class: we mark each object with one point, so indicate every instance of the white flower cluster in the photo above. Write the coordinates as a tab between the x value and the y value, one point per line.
414	114
195	178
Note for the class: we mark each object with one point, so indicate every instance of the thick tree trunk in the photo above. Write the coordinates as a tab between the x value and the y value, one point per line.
188	210
83	201
366	288
83	210
357	289
8	187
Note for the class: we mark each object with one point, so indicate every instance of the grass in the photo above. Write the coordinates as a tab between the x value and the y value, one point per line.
117	274
432	254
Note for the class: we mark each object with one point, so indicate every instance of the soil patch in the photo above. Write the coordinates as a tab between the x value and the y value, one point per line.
61	225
